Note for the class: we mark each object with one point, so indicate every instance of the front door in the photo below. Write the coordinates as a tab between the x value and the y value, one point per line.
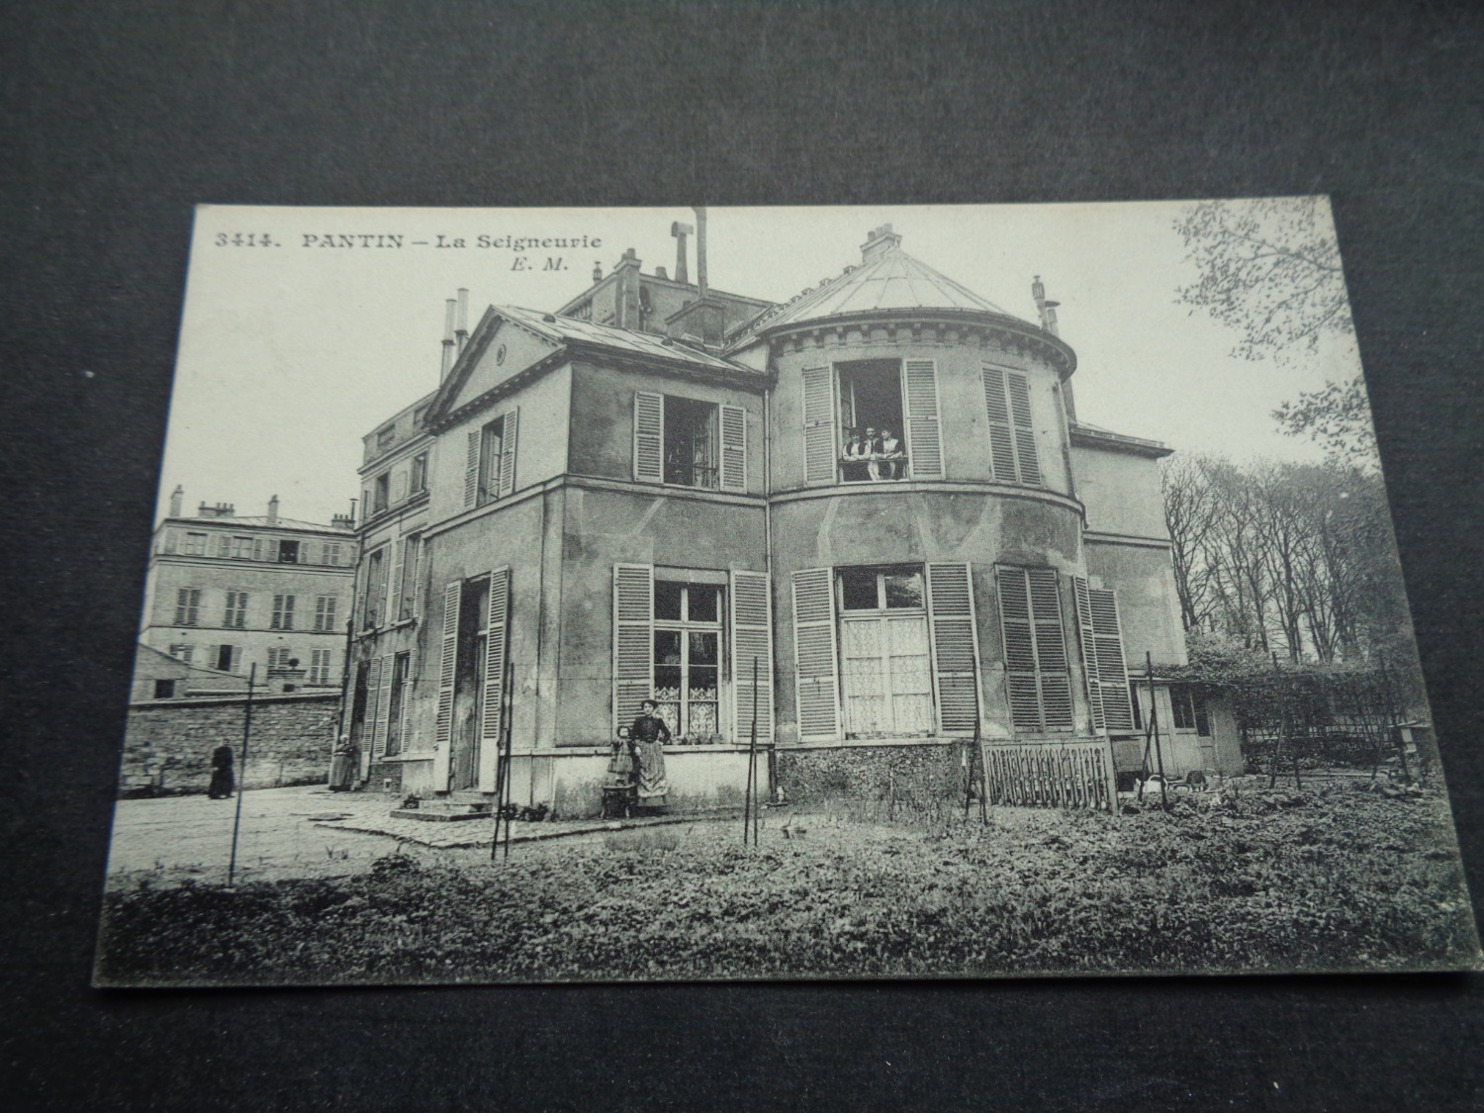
885	653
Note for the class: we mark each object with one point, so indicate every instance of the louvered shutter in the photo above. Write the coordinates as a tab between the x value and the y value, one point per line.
1051	649
633	639
955	646
819	426
471	469
816	659
1025	430
383	669
1089	653
495	649
1020	650
509	428
171	539
375	718
1001	435
394	587
406	720
924	435
443	727
752	638
1112	668
649	437
733	447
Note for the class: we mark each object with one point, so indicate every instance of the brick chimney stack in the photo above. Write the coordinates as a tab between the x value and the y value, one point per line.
176	498
879	241
273	510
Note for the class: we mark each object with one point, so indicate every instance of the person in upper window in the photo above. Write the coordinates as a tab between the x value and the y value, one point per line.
857	451
890	458
873	452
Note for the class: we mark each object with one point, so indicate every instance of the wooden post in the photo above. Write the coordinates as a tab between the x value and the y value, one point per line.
1159	759
252	677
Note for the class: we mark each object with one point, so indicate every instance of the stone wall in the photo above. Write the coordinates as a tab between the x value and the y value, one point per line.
168	745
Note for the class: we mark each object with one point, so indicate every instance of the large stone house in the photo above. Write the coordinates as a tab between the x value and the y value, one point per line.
663	492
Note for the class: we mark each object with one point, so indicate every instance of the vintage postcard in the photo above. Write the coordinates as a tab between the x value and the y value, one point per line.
731	593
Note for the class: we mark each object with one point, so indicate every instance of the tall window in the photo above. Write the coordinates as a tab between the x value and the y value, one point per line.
330	554
195	543
222	546
182	652
283	611
873	446
419	479
690	443
236	613
400	667
224	654
491	443
319	666
1037	672
884	652
687	657
288	550
381	493
324	613
407	591
242	546
375	589
187	606
279	657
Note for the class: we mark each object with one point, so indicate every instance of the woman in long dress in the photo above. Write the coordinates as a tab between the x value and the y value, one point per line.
647	738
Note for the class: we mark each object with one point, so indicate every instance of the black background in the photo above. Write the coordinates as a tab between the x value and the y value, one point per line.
118	118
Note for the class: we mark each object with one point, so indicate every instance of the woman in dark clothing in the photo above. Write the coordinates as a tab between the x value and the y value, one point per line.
222	782
647	738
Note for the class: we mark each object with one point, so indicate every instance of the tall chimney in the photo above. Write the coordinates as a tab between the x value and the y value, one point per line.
448	313
597	270
352	511
700	250
273	510
175	500
680	230
463	329
1047	310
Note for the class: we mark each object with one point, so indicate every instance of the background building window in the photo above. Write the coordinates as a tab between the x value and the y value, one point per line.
164	688
687	657
330	554
236	613
375	588
195	543
182	652
407	592
324	614
419	481
223	546
224	657
283	611
242	546
187	606
319	666
288	550
381	493
279	657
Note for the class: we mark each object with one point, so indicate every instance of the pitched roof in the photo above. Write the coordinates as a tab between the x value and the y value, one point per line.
263	521
563	330
892	280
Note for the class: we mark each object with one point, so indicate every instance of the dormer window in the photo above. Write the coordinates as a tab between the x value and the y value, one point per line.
385	437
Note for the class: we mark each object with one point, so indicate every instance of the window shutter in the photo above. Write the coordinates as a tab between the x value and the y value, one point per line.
406	726
443	731
817	692
384	672
819	427
1112	668
1020	650
257	549
633	638
375	718
1090	654
1001	436
733	447
492	716
1051	649
924	436
394	585
955	646
471	469
649	437
507	452
1025	430
752	637
171	539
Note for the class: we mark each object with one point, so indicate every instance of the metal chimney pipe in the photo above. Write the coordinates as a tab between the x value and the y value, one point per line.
463	329
448	313
175	500
700	250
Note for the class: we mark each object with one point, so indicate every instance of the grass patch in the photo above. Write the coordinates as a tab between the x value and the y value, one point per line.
1333	879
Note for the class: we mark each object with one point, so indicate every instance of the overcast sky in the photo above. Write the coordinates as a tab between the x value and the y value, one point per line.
290	353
